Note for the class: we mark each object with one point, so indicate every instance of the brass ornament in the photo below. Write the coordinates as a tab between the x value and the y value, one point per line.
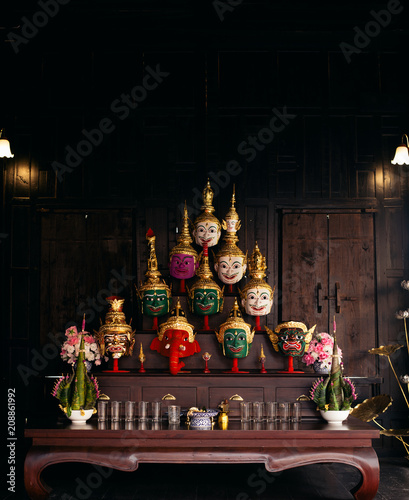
232	223
371	408
385	350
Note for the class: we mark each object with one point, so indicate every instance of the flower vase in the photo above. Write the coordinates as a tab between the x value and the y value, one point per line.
79	417
320	369
334	417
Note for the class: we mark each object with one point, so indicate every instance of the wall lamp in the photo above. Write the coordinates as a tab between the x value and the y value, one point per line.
401	155
4	147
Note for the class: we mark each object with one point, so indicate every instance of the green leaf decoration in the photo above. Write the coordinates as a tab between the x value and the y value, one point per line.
78	391
385	350
395	432
372	408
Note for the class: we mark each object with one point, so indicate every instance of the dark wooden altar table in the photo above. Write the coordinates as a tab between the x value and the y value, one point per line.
278	446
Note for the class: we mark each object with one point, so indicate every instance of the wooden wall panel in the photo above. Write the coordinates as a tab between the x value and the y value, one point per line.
315	158
239	76
84	258
20	237
394	230
297	91
20	305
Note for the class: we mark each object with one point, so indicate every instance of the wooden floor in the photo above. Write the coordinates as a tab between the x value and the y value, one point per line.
224	482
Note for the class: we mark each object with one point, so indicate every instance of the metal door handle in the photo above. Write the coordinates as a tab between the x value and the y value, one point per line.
319	297
337	297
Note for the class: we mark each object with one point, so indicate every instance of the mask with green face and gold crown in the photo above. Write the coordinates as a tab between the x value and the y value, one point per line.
257	295
235	336
230	261
207	228
205	297
154	295
183	258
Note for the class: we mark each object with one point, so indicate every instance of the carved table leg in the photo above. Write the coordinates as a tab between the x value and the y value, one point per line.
364	459
40	457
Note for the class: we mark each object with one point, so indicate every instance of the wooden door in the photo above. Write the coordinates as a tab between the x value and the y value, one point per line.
328	271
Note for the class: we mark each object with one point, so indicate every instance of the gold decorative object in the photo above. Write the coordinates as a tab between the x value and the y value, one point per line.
371	408
142	358
223	418
395	432
236	397
115	336
262	360
168	397
385	350
206	357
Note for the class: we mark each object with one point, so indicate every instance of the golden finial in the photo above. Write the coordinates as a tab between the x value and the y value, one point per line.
262	356
232	223
142	356
183	245
257	264
153	275
208	198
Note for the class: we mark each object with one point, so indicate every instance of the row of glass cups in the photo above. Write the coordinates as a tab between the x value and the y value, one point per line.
129	410
270	411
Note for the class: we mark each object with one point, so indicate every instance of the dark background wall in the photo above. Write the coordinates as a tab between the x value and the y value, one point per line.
299	104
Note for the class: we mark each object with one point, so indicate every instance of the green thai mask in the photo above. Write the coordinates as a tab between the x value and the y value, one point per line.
235	344
155	302
206	301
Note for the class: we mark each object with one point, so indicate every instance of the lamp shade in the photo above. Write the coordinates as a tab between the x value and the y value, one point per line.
5	149
401	156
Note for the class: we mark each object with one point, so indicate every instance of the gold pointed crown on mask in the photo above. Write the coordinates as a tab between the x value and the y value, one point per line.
257	270
230	247
115	323
177	321
183	245
154	279
205	278
207	207
235	320
232	215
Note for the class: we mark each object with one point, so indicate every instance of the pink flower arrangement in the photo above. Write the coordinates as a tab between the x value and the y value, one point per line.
320	351
70	348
